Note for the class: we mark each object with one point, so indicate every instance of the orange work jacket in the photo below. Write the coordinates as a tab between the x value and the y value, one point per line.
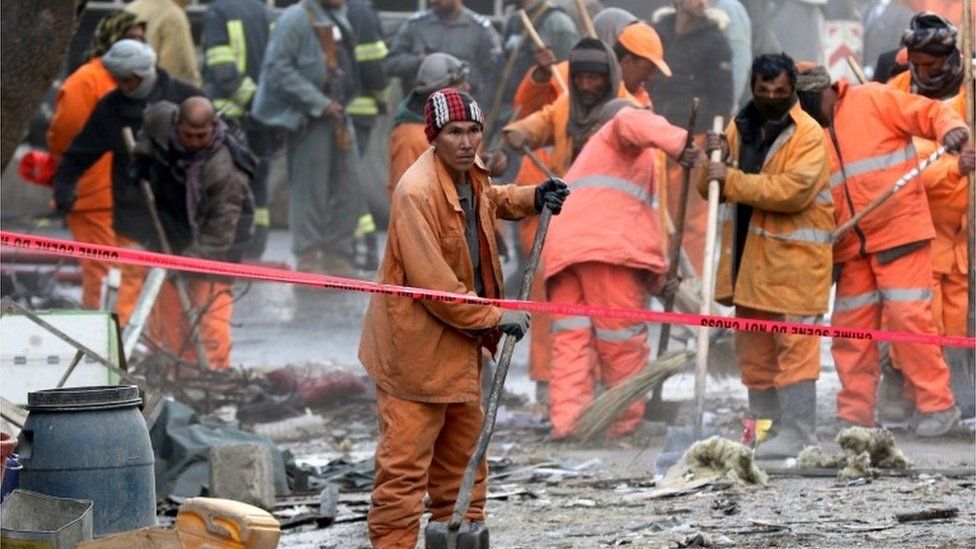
407	142
786	261
945	187
76	100
611	217
874	125
430	351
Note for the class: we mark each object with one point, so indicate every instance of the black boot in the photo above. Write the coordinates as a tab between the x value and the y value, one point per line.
962	384
798	420
763	404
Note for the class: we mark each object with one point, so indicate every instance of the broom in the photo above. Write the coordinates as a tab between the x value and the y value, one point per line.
603	411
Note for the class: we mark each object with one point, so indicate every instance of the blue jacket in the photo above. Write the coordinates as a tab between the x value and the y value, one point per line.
293	74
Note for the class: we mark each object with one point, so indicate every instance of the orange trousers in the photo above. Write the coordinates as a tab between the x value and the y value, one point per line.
167	324
423	448
94	227
772	361
619	347
901	292
696	215
949	300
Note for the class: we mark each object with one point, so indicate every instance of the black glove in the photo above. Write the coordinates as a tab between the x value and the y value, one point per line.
514	323
551	193
64	198
955	138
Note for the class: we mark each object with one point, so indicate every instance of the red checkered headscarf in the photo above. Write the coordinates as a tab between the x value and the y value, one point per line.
449	105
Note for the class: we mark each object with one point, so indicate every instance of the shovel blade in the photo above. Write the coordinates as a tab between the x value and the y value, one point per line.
471	535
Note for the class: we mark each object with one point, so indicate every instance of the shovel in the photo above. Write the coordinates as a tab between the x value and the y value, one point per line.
678	439
452	535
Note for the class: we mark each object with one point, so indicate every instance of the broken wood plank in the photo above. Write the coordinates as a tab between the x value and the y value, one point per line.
12	413
928	514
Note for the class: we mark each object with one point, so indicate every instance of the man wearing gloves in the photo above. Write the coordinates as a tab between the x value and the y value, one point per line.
426	356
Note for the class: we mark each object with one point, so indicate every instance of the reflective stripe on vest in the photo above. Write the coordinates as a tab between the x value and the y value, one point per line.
874	163
262	217
363	106
808	236
605	182
235	32
621	334
228	108
373	51
366	225
219	55
571	323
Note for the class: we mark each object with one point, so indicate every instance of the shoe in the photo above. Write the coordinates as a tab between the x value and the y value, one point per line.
763	404
798	405
936	424
334	264
893	407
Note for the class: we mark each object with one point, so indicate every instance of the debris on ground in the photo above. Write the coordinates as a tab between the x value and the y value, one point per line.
313	385
718	458
863	451
928	514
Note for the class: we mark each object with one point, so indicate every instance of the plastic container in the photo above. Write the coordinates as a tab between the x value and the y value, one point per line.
30	519
91	443
212	523
11	476
8	444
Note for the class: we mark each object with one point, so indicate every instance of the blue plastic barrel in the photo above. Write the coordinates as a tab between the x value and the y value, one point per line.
91	443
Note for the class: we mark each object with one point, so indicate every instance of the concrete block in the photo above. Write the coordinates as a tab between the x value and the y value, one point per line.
243	472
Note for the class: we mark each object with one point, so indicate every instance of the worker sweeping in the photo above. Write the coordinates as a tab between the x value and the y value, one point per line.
605	251
883	266
426	356
201	177
776	247
935	64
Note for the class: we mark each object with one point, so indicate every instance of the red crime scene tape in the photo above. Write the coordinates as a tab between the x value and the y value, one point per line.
98	252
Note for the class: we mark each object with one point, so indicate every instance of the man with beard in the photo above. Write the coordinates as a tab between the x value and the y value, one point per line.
776	247
133	66
201	177
566	124
883	266
935	64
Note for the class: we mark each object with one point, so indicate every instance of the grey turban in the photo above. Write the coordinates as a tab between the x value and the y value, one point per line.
130	58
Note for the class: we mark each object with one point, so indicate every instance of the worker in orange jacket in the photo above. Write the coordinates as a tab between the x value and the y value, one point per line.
425	355
605	251
935	64
544	114
775	254
885	261
91	218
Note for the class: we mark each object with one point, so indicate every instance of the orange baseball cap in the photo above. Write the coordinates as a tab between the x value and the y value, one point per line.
642	40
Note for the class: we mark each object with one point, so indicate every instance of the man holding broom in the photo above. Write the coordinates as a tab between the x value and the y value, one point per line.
775	261
605	250
883	265
426	356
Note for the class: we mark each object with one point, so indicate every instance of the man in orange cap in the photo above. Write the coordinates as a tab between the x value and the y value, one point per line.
640	54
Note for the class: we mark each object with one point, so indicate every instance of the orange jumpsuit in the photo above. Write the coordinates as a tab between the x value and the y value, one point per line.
784	272
532	97
424	355
407	143
91	218
874	126
602	250
945	187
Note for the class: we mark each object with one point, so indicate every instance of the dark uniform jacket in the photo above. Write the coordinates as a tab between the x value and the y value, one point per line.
235	35
101	134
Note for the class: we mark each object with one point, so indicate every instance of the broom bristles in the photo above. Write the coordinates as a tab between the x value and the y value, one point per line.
603	411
